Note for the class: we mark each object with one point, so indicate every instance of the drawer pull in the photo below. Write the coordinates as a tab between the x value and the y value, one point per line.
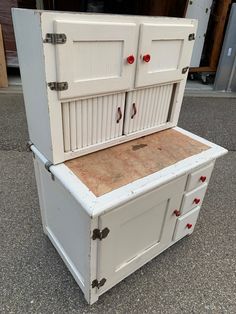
177	213
119	115
130	59
203	178
189	226
197	200
146	58
134	111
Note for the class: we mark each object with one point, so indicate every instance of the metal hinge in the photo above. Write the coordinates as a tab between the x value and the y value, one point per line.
184	70
191	36
47	166
58	86
98	284
98	234
53	38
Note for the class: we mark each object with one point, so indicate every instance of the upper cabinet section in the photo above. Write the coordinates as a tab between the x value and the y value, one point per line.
99	54
97	57
164	53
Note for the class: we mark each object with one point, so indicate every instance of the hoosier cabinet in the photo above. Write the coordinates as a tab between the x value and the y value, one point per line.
118	181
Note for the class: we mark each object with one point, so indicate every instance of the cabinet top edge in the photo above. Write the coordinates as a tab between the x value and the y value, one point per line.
98	16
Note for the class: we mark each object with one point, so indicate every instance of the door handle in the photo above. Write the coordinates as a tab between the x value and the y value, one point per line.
134	111
119	115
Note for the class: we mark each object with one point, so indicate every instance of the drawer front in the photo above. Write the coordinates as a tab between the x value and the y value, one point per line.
199	177
186	224
193	198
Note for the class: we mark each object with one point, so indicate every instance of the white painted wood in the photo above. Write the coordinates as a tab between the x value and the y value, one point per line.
45	65
72	212
189	198
181	229
94	58
170	51
199	10
28	32
194	179
138	228
92	121
151	106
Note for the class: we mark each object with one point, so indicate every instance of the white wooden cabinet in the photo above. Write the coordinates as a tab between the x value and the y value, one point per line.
91	82
108	225
86	75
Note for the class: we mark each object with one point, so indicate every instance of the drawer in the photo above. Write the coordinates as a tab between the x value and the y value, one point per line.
199	177
193	198
186	223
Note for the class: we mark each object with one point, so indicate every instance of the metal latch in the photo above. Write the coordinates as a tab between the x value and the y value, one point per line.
98	234
191	36
58	86
184	70
98	284
53	38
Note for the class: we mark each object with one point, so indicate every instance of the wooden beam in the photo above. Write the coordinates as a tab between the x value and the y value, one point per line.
202	69
221	15
3	68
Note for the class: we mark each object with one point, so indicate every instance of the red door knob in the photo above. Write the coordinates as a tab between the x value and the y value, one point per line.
177	212
203	178
130	59
189	226
146	58
197	200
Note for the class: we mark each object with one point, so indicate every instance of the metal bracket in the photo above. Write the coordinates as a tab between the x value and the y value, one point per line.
47	166
53	38
184	70
98	234
191	36
98	284
58	86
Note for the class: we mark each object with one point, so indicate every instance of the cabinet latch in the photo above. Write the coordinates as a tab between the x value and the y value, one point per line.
58	86
100	234
55	39
184	70
98	284
191	36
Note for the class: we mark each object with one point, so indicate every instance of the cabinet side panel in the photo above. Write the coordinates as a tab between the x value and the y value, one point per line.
68	227
27	28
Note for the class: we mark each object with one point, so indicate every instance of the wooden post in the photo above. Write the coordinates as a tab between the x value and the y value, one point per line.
3	68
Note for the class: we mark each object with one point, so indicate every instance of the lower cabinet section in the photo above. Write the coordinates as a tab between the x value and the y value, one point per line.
102	249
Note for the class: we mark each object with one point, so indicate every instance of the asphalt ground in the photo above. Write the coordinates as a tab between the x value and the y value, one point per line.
196	275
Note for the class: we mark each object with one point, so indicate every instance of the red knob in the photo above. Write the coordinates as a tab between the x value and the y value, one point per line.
189	226
130	59
203	178
177	212
197	200
146	58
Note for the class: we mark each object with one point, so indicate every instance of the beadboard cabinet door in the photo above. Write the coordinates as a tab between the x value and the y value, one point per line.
148	108
139	230
93	59
164	53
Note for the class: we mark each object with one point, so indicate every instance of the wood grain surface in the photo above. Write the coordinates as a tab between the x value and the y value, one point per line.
111	168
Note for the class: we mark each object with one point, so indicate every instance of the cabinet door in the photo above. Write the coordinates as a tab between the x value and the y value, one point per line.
94	58
164	50
148	108
92	121
139	230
